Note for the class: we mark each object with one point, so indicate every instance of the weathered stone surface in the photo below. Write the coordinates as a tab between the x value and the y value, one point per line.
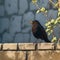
26	38
45	3
11	6
26	46
1	10
23	6
58	46
26	21
7	55
12	55
1	1
41	18
15	24
0	46
10	46
22	55
32	6
0	40
44	55
52	5
19	38
41	3
45	46
22	38
52	14
7	38
57	31
4	24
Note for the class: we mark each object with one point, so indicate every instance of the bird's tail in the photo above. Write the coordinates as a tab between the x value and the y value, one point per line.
47	40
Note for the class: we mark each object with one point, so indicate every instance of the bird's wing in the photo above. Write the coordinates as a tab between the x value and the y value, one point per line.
42	32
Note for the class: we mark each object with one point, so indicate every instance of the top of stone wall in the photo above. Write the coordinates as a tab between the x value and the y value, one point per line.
29	46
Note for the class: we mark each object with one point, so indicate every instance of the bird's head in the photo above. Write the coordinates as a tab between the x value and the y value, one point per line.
35	22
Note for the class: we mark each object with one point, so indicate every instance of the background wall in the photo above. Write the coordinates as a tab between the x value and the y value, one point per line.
15	16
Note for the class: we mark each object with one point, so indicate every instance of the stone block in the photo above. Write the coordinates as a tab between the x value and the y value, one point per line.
10	46
7	38
0	46
52	14
4	24
44	55
0	40
1	1
26	26
18	38
12	55
32	6
1	10
11	6
26	46
26	38
15	24
58	46
46	46
22	38
23	6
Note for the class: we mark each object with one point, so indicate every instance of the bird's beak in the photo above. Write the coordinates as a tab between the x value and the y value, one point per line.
30	21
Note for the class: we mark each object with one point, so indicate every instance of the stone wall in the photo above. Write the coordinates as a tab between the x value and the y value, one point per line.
15	16
29	51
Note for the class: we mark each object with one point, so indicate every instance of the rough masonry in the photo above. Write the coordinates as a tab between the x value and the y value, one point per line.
15	16
29	51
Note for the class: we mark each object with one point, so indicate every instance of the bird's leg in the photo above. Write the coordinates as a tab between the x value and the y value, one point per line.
35	46
36	43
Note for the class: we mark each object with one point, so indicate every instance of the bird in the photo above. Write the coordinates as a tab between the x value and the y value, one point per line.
39	31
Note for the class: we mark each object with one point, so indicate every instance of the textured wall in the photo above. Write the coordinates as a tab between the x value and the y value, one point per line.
15	16
29	51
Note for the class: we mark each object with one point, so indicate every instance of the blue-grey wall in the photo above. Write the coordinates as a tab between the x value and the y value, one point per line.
15	16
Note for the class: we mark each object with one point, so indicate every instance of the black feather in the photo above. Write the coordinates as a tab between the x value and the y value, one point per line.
38	31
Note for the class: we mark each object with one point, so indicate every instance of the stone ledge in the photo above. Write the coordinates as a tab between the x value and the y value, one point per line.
10	46
28	46
0	46
45	45
58	46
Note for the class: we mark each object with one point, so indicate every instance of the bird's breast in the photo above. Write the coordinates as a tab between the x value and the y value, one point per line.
34	29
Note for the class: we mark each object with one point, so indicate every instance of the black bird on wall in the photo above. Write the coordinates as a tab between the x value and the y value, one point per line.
38	31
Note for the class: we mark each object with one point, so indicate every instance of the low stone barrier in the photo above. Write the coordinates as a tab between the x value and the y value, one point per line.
29	51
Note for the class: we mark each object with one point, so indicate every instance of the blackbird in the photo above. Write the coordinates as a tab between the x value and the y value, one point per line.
38	31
